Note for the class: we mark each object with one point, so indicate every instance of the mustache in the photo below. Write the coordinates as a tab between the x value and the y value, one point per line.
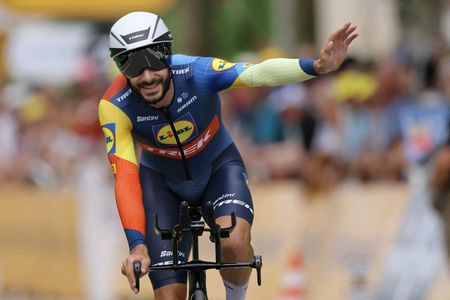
149	83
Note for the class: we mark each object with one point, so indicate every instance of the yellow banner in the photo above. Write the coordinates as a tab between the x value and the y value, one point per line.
87	9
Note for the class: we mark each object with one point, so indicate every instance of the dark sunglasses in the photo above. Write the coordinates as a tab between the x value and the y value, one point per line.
131	64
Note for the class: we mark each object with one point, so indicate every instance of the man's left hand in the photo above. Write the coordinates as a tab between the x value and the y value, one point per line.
333	53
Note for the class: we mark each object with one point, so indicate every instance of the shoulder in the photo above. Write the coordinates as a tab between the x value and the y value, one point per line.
118	91
116	87
184	66
181	63
182	59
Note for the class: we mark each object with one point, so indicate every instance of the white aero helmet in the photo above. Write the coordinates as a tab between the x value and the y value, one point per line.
139	40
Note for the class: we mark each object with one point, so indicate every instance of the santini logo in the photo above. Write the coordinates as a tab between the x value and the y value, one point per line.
148	118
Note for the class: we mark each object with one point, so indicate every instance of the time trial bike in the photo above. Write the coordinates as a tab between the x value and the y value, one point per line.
191	221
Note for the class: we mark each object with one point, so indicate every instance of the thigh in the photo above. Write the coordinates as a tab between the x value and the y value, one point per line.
229	192
159	199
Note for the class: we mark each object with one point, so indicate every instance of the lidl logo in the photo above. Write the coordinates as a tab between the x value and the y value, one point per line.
190	149
185	129
220	65
109	130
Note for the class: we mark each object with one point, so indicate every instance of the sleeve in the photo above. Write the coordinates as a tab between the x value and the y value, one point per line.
117	127
215	74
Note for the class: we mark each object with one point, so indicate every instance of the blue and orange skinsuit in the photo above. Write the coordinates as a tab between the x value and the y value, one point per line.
182	141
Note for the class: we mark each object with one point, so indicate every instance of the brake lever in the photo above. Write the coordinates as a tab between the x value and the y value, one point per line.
258	265
137	273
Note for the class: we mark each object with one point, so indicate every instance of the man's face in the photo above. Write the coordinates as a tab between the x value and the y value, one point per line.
151	85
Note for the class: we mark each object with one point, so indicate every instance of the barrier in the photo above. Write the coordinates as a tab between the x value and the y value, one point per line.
346	239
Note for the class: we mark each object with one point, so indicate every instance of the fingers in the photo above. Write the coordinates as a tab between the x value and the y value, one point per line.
328	48
338	33
350	29
138	253
344	33
128	270
145	265
349	39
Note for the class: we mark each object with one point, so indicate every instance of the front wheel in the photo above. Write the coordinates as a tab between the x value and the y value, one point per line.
198	295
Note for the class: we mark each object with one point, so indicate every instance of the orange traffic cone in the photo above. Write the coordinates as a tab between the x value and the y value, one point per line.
293	279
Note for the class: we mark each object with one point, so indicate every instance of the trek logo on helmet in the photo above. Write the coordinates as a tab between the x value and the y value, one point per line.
137	36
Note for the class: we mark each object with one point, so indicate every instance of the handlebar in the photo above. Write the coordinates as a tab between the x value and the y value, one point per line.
189	220
200	265
186	219
137	273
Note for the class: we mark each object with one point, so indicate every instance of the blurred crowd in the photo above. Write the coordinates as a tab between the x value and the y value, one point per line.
368	121
48	130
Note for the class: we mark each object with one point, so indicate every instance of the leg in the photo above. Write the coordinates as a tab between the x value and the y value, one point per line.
236	248
229	192
172	291
158	198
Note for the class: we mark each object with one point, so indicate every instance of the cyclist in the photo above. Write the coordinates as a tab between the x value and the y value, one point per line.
169	105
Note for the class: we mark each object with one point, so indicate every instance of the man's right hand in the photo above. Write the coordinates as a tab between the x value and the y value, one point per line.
138	253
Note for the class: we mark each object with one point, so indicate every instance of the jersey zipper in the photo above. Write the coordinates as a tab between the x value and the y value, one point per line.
177	139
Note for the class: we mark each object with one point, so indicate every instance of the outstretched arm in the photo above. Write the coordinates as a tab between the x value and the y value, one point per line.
220	74
333	52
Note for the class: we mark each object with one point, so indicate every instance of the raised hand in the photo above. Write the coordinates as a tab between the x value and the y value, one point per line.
333	52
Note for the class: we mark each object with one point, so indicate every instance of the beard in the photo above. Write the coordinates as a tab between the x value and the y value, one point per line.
157	96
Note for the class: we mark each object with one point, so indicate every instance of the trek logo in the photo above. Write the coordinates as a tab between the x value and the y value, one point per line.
189	150
109	130
124	96
181	71
185	130
220	65
136	36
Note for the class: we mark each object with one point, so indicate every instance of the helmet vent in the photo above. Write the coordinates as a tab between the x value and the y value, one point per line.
156	26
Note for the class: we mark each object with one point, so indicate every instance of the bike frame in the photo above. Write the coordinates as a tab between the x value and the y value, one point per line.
190	221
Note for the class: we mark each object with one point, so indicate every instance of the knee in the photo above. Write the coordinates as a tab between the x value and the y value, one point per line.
172	291
237	246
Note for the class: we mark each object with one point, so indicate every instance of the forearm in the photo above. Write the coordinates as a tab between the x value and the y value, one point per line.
129	202
278	71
